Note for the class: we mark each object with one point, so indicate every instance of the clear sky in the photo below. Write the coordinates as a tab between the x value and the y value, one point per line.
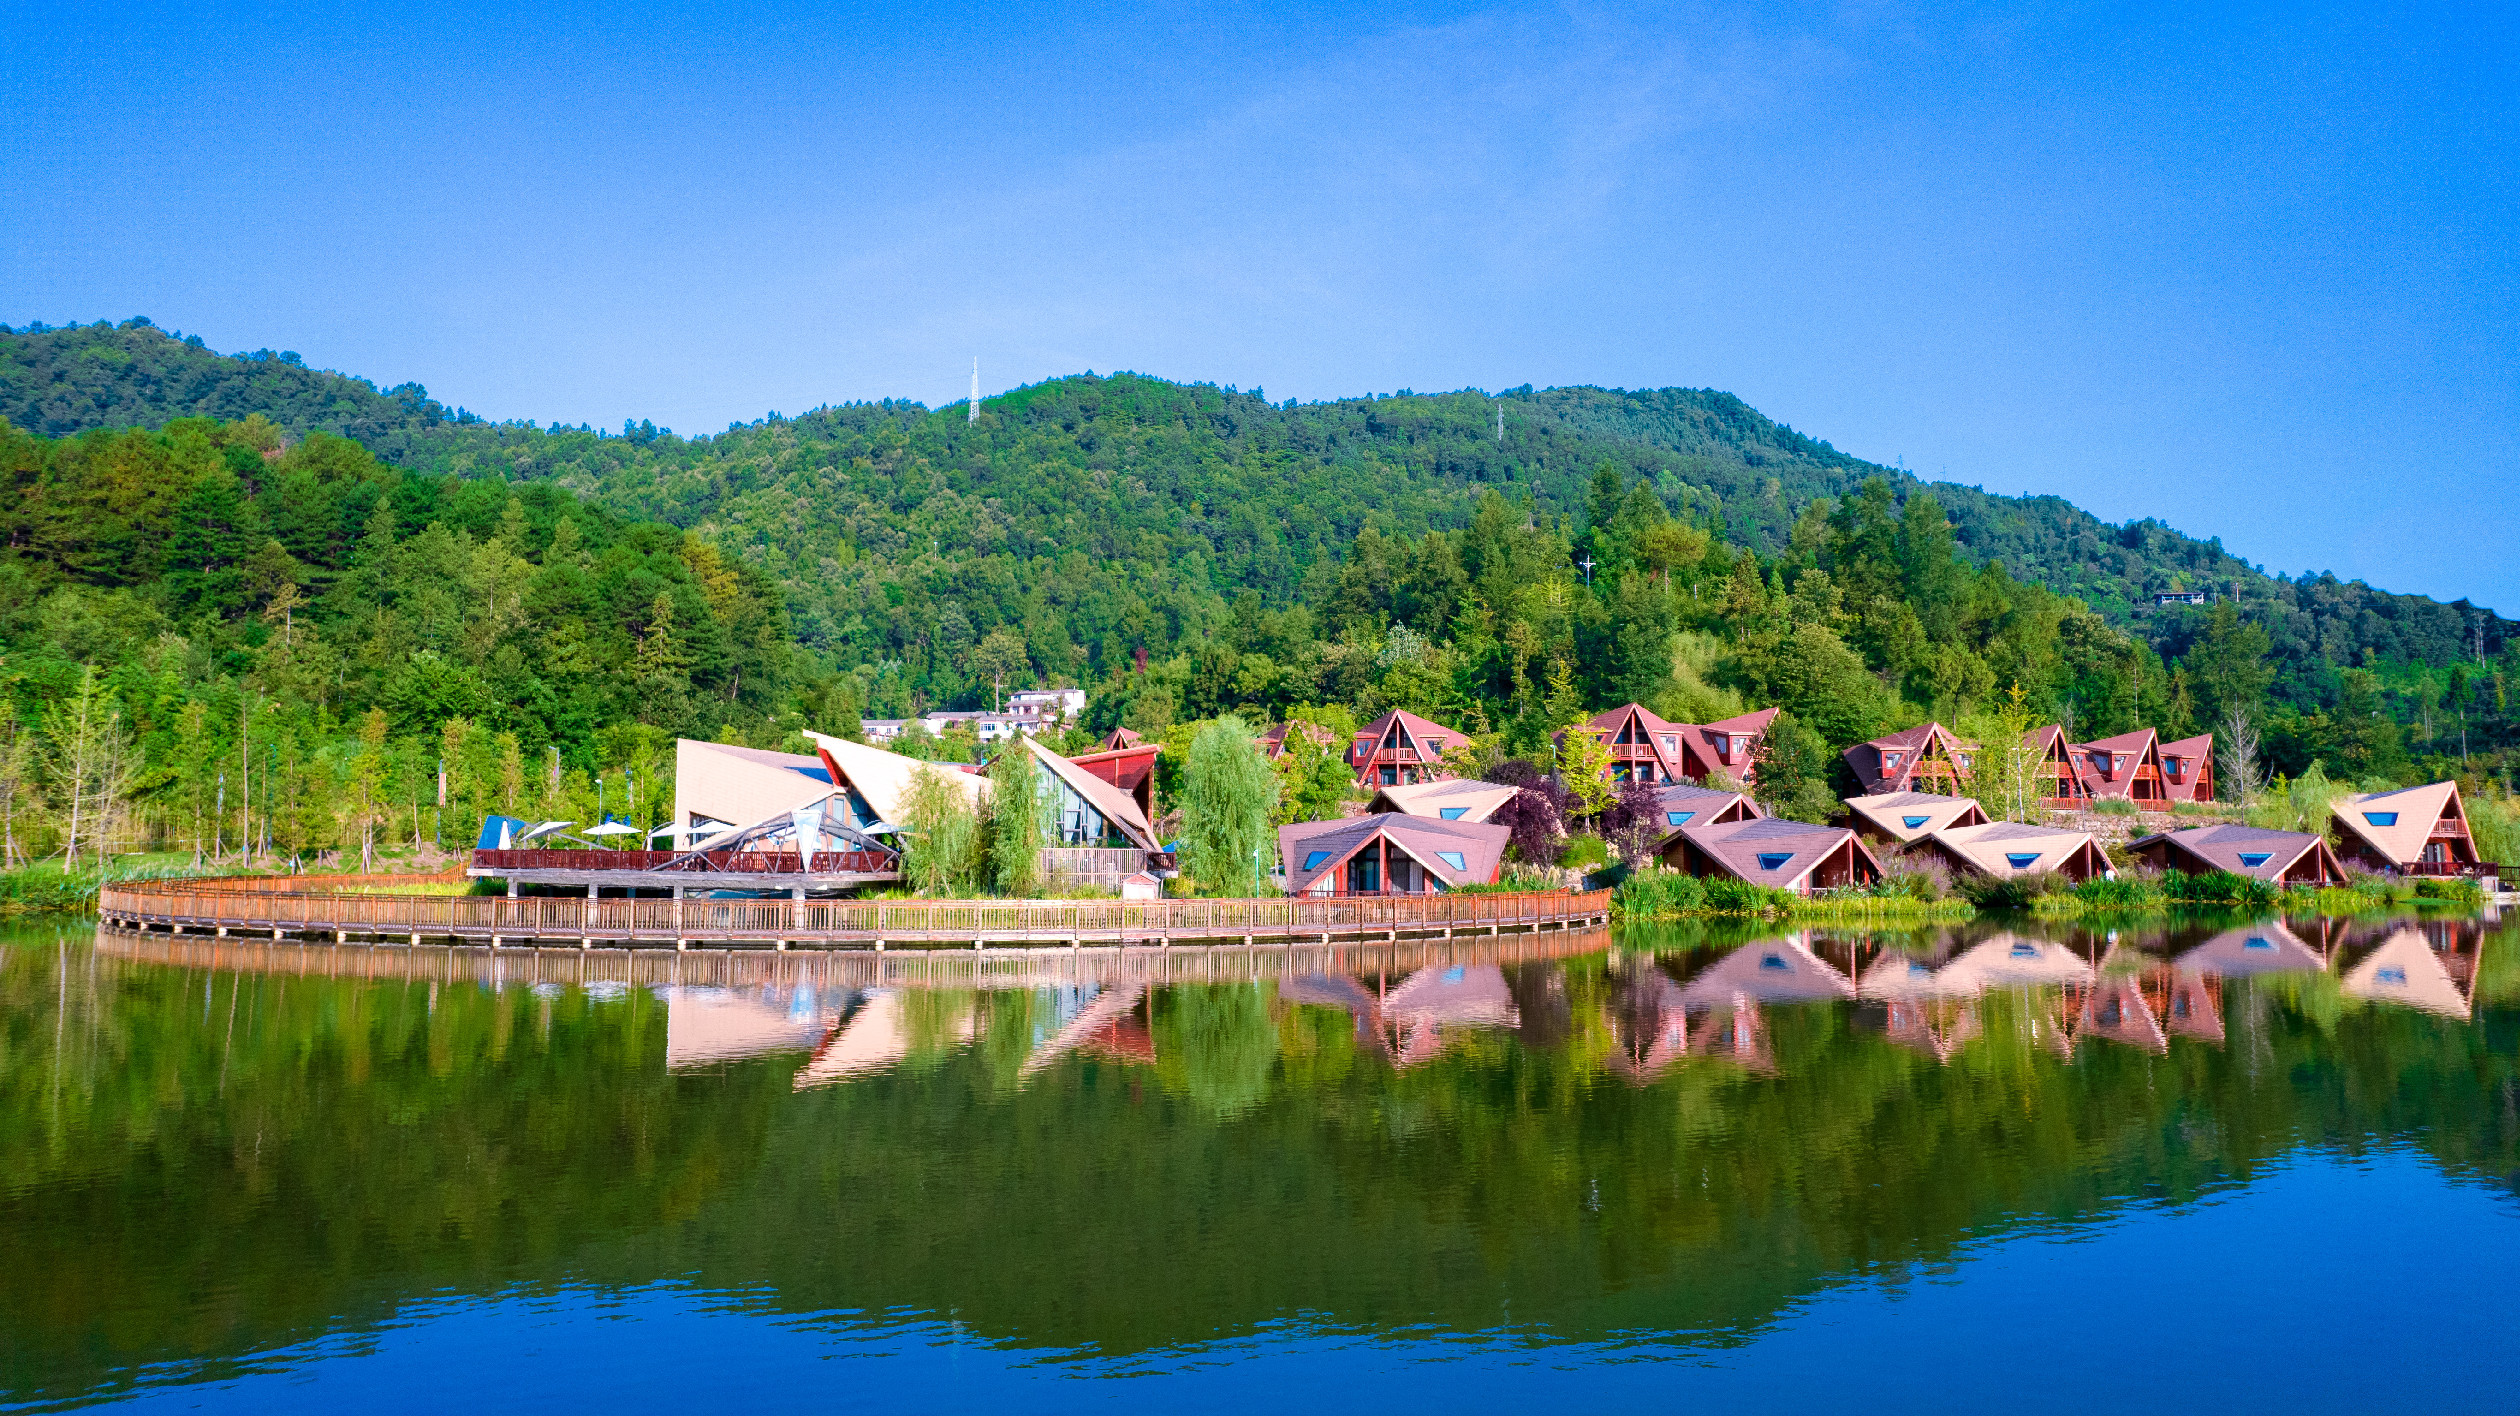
2250	271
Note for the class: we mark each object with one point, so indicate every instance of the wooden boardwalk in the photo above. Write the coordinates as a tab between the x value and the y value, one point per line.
339	909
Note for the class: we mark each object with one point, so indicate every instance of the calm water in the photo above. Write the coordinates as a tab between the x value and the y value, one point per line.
2254	1167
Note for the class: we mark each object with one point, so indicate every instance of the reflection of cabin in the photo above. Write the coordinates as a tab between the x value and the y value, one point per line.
2003	849
2011	961
1099	1019
1927	758
1650	749
2415	831
1900	817
1779	854
2407	969
1936	1027
1649	1022
2115	1008
2191	1003
1400	748
1457	800
704	1025
1430	1000
2266	947
1769	971
2278	857
2187	769
1389	854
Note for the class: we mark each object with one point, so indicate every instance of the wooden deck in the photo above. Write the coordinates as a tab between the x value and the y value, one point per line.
338	909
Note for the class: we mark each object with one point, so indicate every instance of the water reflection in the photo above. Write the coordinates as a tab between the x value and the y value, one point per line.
213	1149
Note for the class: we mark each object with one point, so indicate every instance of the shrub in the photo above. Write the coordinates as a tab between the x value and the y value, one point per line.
1585	852
1916	874
1725	895
2220	887
2460	891
2012	892
2113	806
1655	893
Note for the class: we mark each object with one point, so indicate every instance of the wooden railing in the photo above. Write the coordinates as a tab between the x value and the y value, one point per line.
322	906
739	862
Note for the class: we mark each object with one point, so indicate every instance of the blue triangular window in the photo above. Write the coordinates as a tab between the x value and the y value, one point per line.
2251	860
1774	860
1775	962
1453	813
2255	941
2381	818
1679	818
1453	859
2025	951
1314	860
2021	861
1912	822
2396	976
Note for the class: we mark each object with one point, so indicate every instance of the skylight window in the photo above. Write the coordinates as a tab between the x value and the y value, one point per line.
2381	818
2251	860
2395	976
1775	962
1453	813
1774	860
1912	822
1313	861
1453	859
1679	818
2021	860
2257	941
2025	951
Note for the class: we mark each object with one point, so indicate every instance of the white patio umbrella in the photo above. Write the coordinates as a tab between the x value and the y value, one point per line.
611	828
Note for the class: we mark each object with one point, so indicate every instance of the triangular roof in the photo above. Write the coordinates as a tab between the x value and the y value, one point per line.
1131	769
1697	806
883	778
1096	1017
2117	1009
742	785
2193	1007
2414	810
1418	730
2267	947
1474	800
1876	769
2405	970
1737	846
2200	746
1649	1023
1480	844
1471	994
1990	848
1122	737
1904	977
1909	816
1118	807
1770	971
2140	744
2228	845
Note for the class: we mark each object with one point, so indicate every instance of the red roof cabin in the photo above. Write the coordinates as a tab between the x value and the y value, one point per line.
1927	758
1771	851
2277	857
1131	769
2187	769
2122	768
1650	749
1389	854
2414	831
1400	749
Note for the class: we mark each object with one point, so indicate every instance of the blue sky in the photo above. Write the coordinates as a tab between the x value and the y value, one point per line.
2250	271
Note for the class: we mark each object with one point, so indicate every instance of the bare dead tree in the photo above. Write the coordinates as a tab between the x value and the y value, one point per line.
2237	746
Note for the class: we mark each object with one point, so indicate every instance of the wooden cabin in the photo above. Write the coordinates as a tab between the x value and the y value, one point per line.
1901	817
1400	748
1651	749
2414	831
2187	769
2277	857
2122	768
2060	786
1389	853
1770	851
2001	850
1928	758
1131	769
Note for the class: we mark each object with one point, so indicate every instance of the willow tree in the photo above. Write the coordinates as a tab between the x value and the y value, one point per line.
945	851
1016	832
1228	794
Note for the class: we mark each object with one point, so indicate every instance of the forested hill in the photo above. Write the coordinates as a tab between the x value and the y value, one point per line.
903	534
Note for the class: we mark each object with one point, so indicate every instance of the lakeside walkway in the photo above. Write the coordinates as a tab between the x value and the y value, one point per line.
371	909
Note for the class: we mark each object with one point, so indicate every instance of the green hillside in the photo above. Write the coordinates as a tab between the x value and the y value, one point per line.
1419	550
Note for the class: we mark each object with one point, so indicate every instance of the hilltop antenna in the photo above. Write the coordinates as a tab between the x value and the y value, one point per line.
975	390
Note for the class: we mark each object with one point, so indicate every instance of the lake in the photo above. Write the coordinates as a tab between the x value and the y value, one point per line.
2232	1164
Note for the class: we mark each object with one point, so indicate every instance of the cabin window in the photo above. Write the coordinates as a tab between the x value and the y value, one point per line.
2257	941
1678	818
1313	859
2381	818
1962	758
1435	745
1775	962
2174	766
2025	951
1671	747
1912	822
1453	859
2020	860
1453	813
1890	762
2396	976
1774	860
1364	875
1456	973
2251	860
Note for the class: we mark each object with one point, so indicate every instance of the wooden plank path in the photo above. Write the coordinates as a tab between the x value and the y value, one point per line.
338	909
841	968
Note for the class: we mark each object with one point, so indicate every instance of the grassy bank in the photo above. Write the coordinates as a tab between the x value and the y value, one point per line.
2048	896
1670	894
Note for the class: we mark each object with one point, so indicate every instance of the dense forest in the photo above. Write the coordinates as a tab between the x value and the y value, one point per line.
343	575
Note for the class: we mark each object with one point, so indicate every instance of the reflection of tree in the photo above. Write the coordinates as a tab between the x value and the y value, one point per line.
344	1145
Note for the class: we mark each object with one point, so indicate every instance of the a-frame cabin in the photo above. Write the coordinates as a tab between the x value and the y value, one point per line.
1927	758
2414	830
1400	748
